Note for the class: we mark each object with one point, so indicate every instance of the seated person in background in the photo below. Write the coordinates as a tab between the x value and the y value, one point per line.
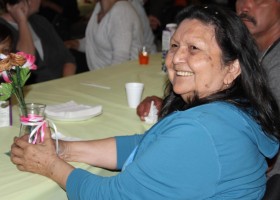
149	38
6	40
263	21
219	122
62	14
114	34
162	12
67	8
35	35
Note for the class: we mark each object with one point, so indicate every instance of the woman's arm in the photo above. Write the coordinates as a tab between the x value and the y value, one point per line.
69	69
19	12
42	158
100	153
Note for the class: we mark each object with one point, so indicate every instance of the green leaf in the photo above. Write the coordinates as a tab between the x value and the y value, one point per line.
6	91
24	75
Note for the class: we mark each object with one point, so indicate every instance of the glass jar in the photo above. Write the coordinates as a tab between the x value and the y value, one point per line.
32	117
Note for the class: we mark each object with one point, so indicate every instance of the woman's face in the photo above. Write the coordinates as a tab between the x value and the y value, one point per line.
194	61
6	46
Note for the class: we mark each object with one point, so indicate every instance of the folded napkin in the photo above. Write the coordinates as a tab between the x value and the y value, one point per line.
72	110
152	116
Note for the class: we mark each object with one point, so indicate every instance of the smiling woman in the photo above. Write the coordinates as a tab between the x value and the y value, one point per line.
194	61
218	124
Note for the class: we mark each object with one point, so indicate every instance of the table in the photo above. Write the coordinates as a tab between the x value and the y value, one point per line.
117	119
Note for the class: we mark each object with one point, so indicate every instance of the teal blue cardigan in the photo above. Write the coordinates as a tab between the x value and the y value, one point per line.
213	151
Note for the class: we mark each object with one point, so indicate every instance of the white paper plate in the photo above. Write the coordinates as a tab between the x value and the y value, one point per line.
71	111
72	119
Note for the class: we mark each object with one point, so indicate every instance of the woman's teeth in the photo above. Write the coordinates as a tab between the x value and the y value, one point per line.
180	73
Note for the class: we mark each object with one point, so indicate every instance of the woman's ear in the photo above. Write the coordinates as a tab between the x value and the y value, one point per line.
234	71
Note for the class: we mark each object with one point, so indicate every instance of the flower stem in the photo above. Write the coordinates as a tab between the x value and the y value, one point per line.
18	91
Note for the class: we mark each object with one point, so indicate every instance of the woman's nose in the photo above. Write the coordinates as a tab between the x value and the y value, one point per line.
180	55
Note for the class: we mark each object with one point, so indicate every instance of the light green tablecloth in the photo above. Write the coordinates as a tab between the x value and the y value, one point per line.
117	119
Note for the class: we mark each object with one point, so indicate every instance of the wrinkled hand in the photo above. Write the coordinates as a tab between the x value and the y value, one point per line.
19	12
143	108
35	158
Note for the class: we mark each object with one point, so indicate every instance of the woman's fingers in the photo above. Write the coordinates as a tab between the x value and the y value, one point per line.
47	133
20	167
16	151
17	160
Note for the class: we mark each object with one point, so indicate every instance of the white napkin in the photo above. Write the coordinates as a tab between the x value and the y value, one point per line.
152	116
71	109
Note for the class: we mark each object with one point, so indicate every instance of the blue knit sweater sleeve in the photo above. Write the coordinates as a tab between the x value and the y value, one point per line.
125	145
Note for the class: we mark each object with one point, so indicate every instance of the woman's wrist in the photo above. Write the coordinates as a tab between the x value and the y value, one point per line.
64	150
58	171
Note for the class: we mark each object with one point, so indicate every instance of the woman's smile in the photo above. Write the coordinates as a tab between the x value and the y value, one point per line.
184	73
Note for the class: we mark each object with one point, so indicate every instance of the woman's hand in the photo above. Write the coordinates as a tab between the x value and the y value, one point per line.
40	158
35	158
19	12
143	108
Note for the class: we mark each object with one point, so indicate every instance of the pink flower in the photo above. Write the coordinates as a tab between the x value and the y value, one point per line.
3	73
30	60
5	77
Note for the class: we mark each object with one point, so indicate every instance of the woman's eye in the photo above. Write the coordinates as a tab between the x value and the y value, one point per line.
193	48
173	45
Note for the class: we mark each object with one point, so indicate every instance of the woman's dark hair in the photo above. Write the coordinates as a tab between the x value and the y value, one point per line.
5	32
3	3
249	90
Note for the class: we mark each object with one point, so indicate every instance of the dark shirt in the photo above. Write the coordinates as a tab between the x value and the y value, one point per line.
55	53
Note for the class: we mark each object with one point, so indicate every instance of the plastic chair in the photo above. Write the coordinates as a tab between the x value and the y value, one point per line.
272	188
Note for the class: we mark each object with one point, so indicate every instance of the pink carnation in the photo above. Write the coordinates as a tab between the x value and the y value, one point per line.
30	60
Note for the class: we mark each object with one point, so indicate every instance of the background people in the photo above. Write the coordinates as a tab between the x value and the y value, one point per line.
218	110
6	40
149	39
62	14
35	35
114	34
263	21
162	12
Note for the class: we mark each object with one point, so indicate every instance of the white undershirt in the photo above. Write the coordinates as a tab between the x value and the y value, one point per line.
35	38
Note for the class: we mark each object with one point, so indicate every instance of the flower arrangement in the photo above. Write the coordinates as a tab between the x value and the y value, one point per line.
15	71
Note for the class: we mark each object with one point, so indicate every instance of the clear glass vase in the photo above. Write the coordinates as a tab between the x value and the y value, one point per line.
31	117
